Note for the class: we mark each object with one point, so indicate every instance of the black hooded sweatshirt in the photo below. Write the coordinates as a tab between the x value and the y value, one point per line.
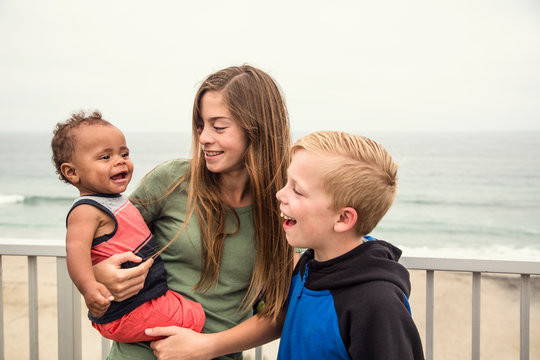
354	306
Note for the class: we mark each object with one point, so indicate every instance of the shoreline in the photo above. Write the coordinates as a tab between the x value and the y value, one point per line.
500	302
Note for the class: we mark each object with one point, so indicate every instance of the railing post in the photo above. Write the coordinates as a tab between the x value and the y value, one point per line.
475	349
69	315
2	347
105	347
33	308
430	277
258	353
524	321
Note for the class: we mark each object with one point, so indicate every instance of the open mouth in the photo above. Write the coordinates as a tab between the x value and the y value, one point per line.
119	176
212	153
289	221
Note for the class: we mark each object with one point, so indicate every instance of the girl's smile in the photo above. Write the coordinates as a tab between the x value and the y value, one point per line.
223	141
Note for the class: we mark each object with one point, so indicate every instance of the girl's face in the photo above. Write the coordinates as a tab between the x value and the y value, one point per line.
223	141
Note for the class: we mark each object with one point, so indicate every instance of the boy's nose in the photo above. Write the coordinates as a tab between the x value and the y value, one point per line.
279	195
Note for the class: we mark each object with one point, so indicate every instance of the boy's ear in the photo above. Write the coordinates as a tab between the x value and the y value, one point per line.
347	219
70	172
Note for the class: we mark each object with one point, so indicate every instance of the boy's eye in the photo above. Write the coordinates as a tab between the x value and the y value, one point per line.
125	155
105	157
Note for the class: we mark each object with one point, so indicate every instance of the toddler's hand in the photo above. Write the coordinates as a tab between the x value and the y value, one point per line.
97	299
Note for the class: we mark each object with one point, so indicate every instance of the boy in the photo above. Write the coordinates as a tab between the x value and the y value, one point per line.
348	295
92	155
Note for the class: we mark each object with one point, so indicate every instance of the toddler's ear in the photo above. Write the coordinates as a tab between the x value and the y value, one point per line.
347	219
70	172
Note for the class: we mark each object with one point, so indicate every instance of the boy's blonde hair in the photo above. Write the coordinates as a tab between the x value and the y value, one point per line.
357	173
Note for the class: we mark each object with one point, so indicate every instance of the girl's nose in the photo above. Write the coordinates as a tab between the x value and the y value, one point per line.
205	136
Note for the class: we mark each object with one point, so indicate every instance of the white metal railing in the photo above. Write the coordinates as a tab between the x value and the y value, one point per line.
69	300
68	297
477	268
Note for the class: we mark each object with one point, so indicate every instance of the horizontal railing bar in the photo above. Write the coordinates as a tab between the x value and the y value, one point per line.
33	247
56	247
471	265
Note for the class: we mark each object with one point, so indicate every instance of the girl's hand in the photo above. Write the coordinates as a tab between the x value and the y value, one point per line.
180	343
122	283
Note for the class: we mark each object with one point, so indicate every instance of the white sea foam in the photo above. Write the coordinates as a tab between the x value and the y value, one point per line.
492	252
11	199
455	196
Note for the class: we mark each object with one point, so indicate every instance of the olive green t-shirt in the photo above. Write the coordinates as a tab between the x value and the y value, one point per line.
222	304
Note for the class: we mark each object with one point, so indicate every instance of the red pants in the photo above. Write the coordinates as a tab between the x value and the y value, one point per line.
170	309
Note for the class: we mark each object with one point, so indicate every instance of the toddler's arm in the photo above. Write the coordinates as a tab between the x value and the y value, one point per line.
82	225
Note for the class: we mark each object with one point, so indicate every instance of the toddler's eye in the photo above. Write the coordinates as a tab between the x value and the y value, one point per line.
125	155
105	157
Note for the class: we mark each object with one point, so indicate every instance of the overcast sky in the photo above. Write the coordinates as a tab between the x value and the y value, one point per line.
347	65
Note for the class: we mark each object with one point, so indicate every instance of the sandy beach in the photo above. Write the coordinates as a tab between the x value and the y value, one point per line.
500	300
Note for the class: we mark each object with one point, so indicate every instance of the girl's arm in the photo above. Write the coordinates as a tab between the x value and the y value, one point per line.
187	344
82	225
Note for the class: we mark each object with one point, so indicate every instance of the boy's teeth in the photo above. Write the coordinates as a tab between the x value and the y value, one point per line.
286	217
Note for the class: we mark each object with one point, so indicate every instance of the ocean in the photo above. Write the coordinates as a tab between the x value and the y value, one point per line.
463	195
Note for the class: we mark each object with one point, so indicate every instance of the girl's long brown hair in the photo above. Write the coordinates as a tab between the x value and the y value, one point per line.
256	103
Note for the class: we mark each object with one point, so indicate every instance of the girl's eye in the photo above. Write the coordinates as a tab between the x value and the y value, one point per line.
219	128
296	191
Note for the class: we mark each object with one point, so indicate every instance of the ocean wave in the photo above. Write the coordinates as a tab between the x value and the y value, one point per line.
9	199
449	229
493	252
465	203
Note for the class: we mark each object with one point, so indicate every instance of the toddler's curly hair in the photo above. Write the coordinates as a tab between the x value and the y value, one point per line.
63	141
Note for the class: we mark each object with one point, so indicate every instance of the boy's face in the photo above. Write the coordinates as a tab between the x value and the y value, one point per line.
305	206
100	163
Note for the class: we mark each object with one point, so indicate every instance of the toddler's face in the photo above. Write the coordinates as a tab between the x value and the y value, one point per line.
305	206
101	160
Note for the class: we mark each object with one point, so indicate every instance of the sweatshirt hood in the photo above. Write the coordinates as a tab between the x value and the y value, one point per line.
375	260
